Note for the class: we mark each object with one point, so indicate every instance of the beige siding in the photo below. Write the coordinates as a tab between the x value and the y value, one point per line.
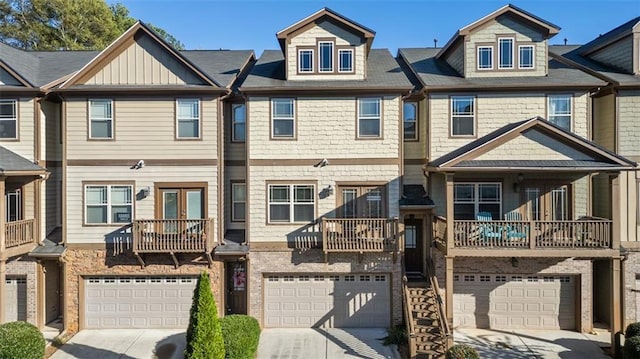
51	149
418	149
524	35
28	199
455	58
629	187
330	175
232	174
51	205
25	145
629	131
413	175
143	208
604	121
144	63
326	29
8	79
618	54
326	128
144	128
581	197
494	111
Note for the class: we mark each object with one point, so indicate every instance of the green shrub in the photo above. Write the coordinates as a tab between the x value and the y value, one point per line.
462	351
633	330
631	347
204	334
241	335
21	340
396	335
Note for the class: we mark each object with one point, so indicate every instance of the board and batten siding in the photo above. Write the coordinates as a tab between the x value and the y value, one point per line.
323	30
143	208
494	111
24	146
144	128
325	128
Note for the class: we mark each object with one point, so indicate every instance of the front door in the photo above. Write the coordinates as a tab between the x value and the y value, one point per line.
544	202
236	287
413	244
178	206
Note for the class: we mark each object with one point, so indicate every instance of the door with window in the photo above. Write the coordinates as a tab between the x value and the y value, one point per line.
546	202
362	202
182	209
413	244
13	209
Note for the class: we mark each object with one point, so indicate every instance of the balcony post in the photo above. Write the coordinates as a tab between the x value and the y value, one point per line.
3	259
448	277
449	204
616	313
617	227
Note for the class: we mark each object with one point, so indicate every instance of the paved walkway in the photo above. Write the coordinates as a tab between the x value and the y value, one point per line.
521	344
324	343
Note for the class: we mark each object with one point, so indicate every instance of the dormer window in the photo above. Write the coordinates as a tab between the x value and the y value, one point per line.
525	56
485	57
325	51
505	49
305	60
345	60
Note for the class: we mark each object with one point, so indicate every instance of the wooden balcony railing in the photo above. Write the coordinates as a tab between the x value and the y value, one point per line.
18	233
173	235
360	235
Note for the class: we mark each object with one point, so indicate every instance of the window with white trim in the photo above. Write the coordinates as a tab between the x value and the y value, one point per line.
559	111
13	205
305	60
471	198
291	203
325	60
108	204
345	60
239	122
505	52
101	119
8	119
238	201
410	120
283	117
462	116
526	58
188	118
369	118
485	57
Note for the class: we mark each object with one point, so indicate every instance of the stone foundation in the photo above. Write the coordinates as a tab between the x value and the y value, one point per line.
25	266
631	269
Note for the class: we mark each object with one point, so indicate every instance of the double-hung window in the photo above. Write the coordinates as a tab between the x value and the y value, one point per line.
8	119
325	50
239	120
462	116
305	60
409	114
101	119
505	52
471	198
369	118
559	109
108	204
291	203
238	200
485	57
526	58
345	60
282	118
188	118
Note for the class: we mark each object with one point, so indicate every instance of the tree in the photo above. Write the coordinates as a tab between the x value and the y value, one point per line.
66	24
204	334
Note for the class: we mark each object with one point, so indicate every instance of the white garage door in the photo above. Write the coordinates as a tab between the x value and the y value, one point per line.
16	299
514	301
327	300
138	302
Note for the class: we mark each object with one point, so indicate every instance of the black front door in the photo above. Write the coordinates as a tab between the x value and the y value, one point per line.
236	287
413	245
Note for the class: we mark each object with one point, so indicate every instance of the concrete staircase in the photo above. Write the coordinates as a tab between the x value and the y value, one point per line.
427	335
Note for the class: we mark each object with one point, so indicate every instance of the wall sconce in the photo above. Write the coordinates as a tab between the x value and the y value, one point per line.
144	193
516	185
326	192
514	262
329	190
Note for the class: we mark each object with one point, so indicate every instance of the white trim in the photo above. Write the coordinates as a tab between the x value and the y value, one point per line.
291	201
108	204
104	119
320	69
14	118
513	55
292	118
492	58
379	117
340	60
570	107
234	122
533	57
472	116
300	70
196	118
234	201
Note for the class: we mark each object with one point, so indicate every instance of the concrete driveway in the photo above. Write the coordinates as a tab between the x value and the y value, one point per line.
324	343
124	344
521	344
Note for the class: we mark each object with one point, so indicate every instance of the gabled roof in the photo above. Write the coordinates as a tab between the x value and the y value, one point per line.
610	37
328	14
548	28
223	65
12	163
121	43
464	157
20	64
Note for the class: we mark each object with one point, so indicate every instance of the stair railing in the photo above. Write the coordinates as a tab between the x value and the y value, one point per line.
445	331
411	333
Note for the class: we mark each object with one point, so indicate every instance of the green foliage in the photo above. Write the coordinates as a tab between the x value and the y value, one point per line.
396	335
633	330
462	351
241	335
632	347
66	24
204	334
21	340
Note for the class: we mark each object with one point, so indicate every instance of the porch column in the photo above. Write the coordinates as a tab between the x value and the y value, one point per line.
616	312
3	259
449	204
617	228
448	276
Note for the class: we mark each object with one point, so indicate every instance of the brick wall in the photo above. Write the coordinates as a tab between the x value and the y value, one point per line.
26	267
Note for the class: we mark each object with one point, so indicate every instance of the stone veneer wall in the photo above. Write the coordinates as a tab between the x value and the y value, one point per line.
81	263
312	261
631	268
562	266
26	267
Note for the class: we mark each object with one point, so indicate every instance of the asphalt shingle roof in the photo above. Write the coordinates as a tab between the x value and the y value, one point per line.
222	65
383	71
11	161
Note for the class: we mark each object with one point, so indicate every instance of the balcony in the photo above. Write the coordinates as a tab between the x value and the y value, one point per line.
19	237
360	235
549	238
173	236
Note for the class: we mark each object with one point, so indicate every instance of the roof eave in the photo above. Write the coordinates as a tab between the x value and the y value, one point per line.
563	169
502	87
306	89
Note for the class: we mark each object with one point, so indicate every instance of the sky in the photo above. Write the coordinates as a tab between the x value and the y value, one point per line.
243	24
